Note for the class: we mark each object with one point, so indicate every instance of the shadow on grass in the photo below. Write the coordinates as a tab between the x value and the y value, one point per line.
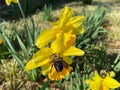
29	7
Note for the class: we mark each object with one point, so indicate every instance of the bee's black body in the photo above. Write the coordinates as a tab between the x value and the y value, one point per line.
58	62
58	66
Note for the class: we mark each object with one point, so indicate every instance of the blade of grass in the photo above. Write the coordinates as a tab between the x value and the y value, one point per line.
22	45
13	52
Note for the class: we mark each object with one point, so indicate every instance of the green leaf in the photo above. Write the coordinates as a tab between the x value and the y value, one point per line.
22	45
4	53
12	50
19	61
44	86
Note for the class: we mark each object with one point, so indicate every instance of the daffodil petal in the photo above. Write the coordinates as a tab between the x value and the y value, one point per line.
65	12
97	76
65	15
110	82
45	37
79	30
77	21
55	23
15	1
68	60
112	74
31	65
8	2
93	86
42	54
46	68
95	83
73	51
87	81
58	45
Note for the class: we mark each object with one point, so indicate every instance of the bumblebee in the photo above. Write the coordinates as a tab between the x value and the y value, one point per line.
103	73
58	66
58	62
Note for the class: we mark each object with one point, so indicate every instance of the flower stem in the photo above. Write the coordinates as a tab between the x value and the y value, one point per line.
23	15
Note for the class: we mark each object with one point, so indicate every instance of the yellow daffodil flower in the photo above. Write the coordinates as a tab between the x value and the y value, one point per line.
68	23
0	41
8	2
104	81
65	24
54	61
